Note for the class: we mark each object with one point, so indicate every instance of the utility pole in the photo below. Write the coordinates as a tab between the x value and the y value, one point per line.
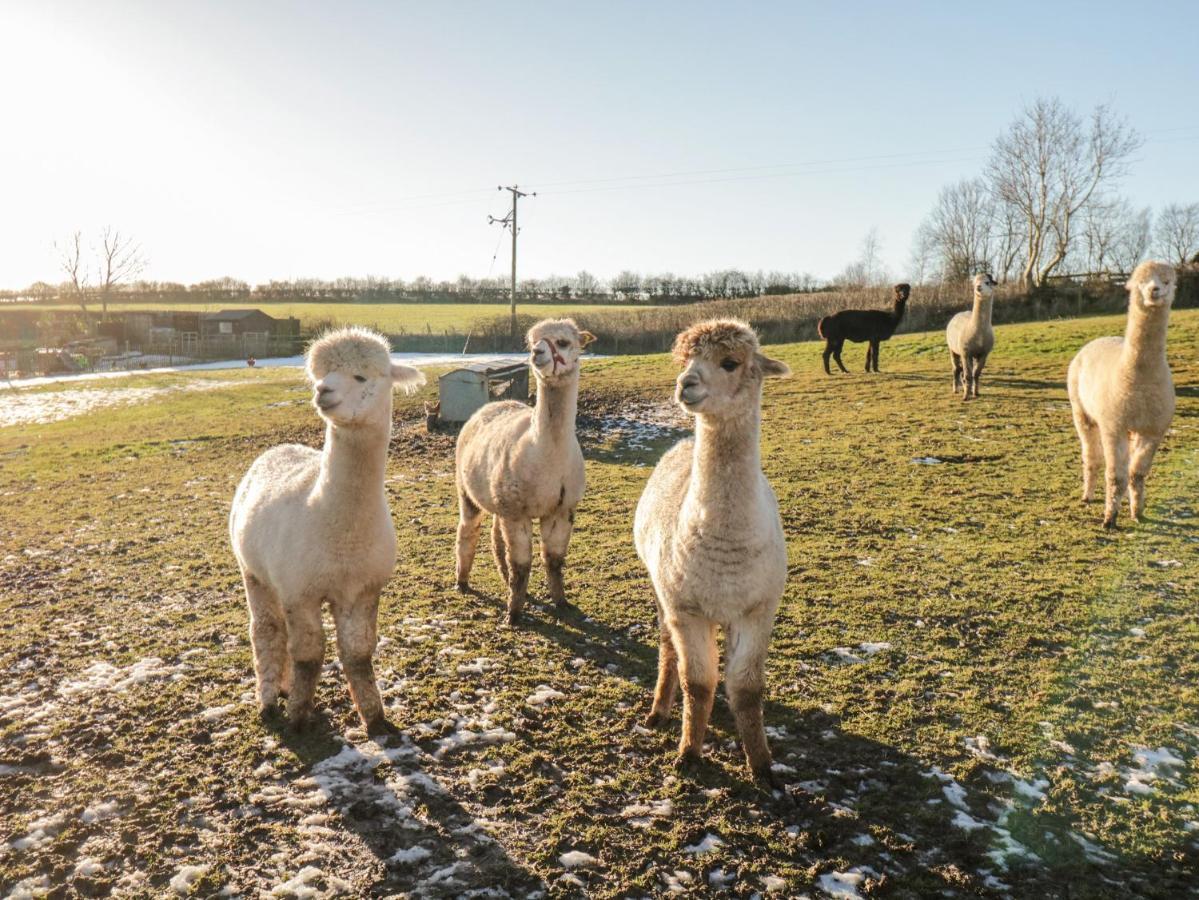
509	221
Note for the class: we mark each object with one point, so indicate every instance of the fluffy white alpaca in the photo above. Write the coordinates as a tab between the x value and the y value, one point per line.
971	338
312	526
521	464
707	527
1122	394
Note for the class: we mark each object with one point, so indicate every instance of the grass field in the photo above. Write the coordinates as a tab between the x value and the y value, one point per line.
391	318
973	689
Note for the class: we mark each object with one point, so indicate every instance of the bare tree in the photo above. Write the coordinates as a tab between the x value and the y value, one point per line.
70	260
1048	166
1177	231
957	235
120	260
868	268
1113	237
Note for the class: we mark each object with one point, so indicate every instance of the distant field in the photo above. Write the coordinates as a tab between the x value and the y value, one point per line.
393	318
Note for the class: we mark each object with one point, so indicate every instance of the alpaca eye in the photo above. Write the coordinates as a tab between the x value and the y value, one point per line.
563	343
360	378
729	365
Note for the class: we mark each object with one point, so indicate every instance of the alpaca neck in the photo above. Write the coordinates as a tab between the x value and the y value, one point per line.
353	463
726	462
897	315
557	403
982	310
1145	338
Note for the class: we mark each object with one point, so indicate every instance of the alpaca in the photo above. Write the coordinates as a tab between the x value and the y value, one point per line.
707	527
309	527
971	338
521	464
858	325
1122	395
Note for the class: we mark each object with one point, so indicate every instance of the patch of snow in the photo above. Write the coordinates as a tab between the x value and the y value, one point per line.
409	856
773	883
842	884
187	876
709	843
543	695
573	859
88	866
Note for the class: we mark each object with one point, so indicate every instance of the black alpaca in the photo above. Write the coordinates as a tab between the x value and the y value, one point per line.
857	325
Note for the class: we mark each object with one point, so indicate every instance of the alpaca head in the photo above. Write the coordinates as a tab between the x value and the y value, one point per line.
984	285
902	292
723	368
555	346
1152	285
352	376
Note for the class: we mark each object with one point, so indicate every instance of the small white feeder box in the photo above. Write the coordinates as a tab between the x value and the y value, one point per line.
463	390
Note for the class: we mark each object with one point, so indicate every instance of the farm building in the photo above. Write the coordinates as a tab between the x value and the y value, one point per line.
465	389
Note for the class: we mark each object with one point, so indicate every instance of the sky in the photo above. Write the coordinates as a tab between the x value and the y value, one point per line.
280	140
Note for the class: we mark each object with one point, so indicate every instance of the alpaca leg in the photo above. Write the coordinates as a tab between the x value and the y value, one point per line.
979	362
1092	452
268	637
828	351
1115	455
668	676
957	372
499	549
306	644
555	538
874	345
470	517
1143	449
357	634
518	537
745	677
837	355
967	376
872	356
695	640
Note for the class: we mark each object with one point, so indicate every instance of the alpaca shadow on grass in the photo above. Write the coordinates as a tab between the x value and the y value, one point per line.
1034	384
841	795
425	843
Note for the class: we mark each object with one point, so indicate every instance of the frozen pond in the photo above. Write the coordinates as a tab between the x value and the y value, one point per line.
415	359
95	390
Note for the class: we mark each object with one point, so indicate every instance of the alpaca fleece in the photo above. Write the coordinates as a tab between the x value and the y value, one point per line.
312	527
1122	394
707	528
971	338
521	464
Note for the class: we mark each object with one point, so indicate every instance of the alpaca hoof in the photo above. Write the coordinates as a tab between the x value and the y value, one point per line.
462	587
765	778
688	761
513	618
381	727
270	714
1110	523
301	723
656	719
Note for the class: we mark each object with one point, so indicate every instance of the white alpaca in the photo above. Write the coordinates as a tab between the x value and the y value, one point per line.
309	527
1122	395
707	527
971	338
521	464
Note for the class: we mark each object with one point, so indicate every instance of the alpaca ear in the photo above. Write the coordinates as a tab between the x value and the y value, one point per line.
585	338
406	377
772	368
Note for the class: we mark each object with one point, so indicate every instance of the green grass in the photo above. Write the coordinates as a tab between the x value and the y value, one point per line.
392	318
1009	613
